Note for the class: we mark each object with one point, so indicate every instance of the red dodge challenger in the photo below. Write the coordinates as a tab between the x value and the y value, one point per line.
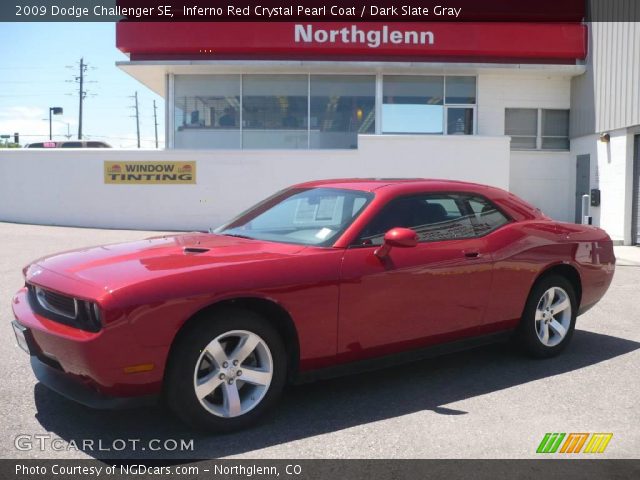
322	278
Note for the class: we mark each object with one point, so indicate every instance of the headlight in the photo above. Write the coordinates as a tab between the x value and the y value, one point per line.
89	316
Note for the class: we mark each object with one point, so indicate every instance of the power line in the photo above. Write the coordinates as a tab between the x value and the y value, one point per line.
25	82
26	68
144	139
13	95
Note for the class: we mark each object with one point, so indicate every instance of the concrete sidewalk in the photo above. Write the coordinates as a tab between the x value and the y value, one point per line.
627	255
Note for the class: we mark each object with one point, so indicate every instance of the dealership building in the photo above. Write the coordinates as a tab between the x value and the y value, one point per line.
549	111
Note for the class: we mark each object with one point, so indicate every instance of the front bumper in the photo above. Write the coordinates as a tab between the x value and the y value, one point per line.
74	390
77	360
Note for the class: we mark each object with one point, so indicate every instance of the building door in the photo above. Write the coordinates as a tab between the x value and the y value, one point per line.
583	182
635	218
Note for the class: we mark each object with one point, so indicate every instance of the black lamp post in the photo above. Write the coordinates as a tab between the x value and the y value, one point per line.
54	111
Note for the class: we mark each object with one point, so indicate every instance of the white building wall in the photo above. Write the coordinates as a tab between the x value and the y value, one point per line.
612	173
66	187
543	178
547	180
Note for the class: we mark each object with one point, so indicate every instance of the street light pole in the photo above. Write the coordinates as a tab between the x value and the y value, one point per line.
54	111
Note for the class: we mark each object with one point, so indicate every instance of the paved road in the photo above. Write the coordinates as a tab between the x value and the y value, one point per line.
490	402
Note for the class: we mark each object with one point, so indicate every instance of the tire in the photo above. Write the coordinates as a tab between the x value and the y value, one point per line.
203	385
549	314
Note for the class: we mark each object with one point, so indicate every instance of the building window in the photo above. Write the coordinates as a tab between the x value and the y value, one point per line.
459	121
412	104
207	110
342	106
537	129
274	111
461	90
522	125
426	104
301	111
555	130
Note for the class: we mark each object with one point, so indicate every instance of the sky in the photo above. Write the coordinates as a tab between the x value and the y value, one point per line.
38	65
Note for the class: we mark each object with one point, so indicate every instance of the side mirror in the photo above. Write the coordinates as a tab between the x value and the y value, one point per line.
397	237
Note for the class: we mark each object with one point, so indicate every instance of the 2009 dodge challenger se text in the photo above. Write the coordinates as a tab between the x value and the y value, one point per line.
321	278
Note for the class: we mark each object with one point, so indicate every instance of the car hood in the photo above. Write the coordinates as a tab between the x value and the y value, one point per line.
110	267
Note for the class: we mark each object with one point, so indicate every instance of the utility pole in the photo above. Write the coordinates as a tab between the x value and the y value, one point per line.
137	115
155	121
81	95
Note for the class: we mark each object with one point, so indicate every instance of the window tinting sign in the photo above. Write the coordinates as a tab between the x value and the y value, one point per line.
140	172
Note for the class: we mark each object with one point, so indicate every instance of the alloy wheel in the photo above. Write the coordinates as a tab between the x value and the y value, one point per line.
233	373
553	316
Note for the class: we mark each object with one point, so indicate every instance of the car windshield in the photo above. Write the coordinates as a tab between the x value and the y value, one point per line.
306	216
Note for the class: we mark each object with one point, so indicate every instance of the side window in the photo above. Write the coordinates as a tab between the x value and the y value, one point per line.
434	217
487	216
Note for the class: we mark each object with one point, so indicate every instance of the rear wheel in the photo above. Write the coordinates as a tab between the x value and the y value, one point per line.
549	317
226	371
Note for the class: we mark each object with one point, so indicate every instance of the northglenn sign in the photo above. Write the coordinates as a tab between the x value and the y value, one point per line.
491	41
370	38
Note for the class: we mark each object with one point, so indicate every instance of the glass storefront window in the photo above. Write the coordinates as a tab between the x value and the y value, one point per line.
461	90
299	111
274	111
413	104
342	106
207	110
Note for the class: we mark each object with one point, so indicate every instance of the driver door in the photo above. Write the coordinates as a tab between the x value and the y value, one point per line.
434	292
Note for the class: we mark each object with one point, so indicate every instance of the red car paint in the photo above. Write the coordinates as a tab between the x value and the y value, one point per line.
346	304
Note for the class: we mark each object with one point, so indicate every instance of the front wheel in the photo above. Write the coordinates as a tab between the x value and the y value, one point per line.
549	317
226	371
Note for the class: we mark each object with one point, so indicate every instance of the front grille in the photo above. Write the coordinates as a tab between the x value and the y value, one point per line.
57	303
64	309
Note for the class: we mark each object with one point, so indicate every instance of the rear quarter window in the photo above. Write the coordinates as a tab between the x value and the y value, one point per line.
487	216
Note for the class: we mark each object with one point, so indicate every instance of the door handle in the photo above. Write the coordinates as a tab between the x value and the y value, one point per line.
472	254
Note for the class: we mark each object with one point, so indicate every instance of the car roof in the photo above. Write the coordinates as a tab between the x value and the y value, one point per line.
515	207
372	184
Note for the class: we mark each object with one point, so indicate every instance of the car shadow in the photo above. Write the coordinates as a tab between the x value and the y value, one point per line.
327	406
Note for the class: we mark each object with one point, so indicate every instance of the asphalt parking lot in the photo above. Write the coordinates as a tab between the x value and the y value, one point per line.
486	403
